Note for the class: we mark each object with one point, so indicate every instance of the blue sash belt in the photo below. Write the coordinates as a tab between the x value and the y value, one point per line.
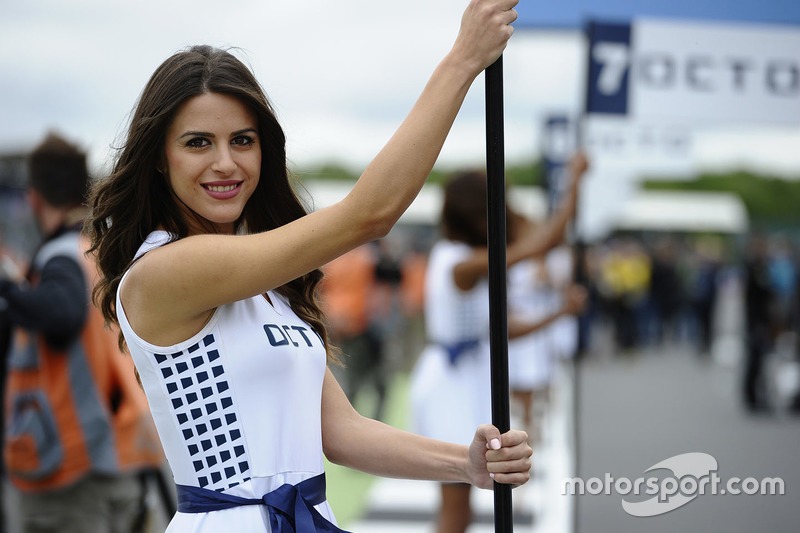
291	507
456	349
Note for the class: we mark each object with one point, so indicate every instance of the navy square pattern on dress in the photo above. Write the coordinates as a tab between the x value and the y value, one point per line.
196	373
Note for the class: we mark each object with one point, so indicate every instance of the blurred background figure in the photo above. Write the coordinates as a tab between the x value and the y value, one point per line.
560	264
348	292
78	437
624	282
587	266
705	292
665	292
530	357
412	298
366	300
542	291
450	386
760	322
387	316
782	271
374	299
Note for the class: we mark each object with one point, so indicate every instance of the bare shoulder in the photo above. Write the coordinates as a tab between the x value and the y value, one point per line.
153	296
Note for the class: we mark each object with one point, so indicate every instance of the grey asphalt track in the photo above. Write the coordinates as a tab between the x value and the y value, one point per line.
640	409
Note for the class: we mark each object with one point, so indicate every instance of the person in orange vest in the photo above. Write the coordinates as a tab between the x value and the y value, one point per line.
78	429
347	291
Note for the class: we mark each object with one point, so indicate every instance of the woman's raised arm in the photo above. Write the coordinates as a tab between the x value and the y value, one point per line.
163	289
535	241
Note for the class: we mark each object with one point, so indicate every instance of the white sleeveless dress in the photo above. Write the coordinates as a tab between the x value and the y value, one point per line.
529	356
565	330
449	400
237	406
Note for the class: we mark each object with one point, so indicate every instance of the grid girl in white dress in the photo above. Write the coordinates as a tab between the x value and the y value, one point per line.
450	384
210	264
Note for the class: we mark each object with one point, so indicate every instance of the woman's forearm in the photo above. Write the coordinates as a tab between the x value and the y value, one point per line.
352	440
370	446
519	328
412	456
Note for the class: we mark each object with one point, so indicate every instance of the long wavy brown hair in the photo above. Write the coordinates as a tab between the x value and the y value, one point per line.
135	198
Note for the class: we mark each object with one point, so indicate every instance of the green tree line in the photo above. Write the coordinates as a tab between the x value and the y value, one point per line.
770	202
517	174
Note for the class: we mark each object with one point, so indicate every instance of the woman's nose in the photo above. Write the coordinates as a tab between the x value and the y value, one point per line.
223	161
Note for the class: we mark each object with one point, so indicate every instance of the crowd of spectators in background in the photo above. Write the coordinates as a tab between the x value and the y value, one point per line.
645	292
656	291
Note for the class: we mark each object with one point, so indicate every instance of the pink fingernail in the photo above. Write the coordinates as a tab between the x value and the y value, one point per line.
495	444
491	475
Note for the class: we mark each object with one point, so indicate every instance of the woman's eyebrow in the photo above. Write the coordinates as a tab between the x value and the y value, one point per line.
209	134
196	134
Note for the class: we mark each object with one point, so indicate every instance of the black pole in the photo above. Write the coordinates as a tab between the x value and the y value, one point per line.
498	319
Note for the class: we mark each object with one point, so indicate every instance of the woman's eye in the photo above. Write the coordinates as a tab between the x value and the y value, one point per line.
197	142
243	140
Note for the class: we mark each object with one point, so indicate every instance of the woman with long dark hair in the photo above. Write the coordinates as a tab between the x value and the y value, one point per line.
210	266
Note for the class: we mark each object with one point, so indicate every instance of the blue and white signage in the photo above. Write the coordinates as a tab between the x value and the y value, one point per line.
696	72
560	143
609	68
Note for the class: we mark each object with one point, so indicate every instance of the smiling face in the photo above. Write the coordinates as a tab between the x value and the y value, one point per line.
213	159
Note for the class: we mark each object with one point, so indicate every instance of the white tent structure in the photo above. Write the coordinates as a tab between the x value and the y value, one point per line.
668	211
683	212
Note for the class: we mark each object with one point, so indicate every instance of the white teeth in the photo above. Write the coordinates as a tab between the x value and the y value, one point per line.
218	188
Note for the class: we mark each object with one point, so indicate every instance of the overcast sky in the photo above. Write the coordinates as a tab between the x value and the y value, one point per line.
341	74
